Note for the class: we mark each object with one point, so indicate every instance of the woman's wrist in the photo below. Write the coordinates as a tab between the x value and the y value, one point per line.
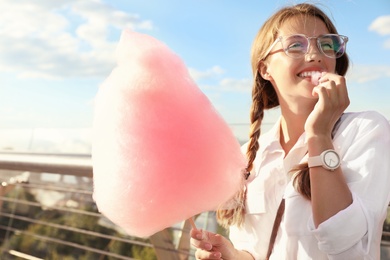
316	144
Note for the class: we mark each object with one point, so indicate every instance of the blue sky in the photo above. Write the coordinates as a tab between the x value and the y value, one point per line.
54	54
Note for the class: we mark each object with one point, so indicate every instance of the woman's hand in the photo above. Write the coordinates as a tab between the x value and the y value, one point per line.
332	101
213	246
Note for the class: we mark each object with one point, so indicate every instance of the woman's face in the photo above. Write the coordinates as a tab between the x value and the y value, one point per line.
291	76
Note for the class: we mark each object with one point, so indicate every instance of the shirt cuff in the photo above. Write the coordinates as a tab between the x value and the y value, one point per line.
343	230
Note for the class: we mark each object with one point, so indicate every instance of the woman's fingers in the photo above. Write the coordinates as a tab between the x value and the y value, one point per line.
210	245
336	94
332	101
203	255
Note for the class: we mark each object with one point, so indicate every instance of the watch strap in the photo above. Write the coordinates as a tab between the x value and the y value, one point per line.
315	161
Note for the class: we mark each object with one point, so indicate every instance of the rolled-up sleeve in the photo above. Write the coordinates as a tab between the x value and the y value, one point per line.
328	232
364	145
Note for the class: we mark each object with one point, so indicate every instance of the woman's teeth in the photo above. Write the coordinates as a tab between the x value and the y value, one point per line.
314	76
306	74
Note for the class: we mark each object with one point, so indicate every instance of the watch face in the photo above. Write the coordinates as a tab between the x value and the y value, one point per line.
331	159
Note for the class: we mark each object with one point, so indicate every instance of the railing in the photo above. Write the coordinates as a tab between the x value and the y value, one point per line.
47	212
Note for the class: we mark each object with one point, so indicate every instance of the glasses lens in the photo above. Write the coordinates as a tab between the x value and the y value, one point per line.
295	46
332	45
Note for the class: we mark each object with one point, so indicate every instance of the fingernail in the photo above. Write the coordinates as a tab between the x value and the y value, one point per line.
217	254
208	246
199	236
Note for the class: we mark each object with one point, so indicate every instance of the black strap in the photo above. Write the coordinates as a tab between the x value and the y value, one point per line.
278	219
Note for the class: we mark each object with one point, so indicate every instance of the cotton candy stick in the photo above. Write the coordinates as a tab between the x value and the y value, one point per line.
161	153
192	222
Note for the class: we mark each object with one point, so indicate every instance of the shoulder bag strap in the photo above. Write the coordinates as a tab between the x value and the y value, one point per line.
278	219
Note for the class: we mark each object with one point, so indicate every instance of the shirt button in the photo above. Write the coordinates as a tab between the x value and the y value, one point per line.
281	182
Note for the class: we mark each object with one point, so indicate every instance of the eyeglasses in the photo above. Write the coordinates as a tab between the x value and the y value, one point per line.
297	45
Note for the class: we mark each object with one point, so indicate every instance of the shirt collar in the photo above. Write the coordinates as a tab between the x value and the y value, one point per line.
270	140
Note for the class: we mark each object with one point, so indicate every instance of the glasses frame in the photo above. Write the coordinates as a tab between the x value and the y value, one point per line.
280	38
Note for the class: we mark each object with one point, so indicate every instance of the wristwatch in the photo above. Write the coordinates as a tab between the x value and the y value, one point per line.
328	159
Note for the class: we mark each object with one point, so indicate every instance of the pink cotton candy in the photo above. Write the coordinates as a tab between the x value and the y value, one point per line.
161	153
315	77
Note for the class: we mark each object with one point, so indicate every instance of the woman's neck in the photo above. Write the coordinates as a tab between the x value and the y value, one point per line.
292	125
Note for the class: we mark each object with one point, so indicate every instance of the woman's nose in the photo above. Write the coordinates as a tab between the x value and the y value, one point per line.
313	52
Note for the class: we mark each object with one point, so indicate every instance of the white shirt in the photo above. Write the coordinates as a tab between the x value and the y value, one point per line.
363	143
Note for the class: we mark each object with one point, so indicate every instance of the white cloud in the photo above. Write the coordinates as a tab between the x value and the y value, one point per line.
53	140
95	11
210	79
381	25
236	85
62	140
366	73
60	39
213	72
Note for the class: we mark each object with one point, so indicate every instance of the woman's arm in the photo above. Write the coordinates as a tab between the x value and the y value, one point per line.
329	191
364	144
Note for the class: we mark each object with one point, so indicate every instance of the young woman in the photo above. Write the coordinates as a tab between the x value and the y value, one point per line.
318	183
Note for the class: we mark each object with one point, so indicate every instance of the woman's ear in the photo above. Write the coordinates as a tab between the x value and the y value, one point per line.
263	70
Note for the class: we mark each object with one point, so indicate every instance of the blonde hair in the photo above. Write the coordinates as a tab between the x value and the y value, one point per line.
264	97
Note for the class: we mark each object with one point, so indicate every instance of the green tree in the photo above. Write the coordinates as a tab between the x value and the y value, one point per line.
34	237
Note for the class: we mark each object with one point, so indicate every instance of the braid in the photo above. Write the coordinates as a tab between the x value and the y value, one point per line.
259	101
236	214
301	180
